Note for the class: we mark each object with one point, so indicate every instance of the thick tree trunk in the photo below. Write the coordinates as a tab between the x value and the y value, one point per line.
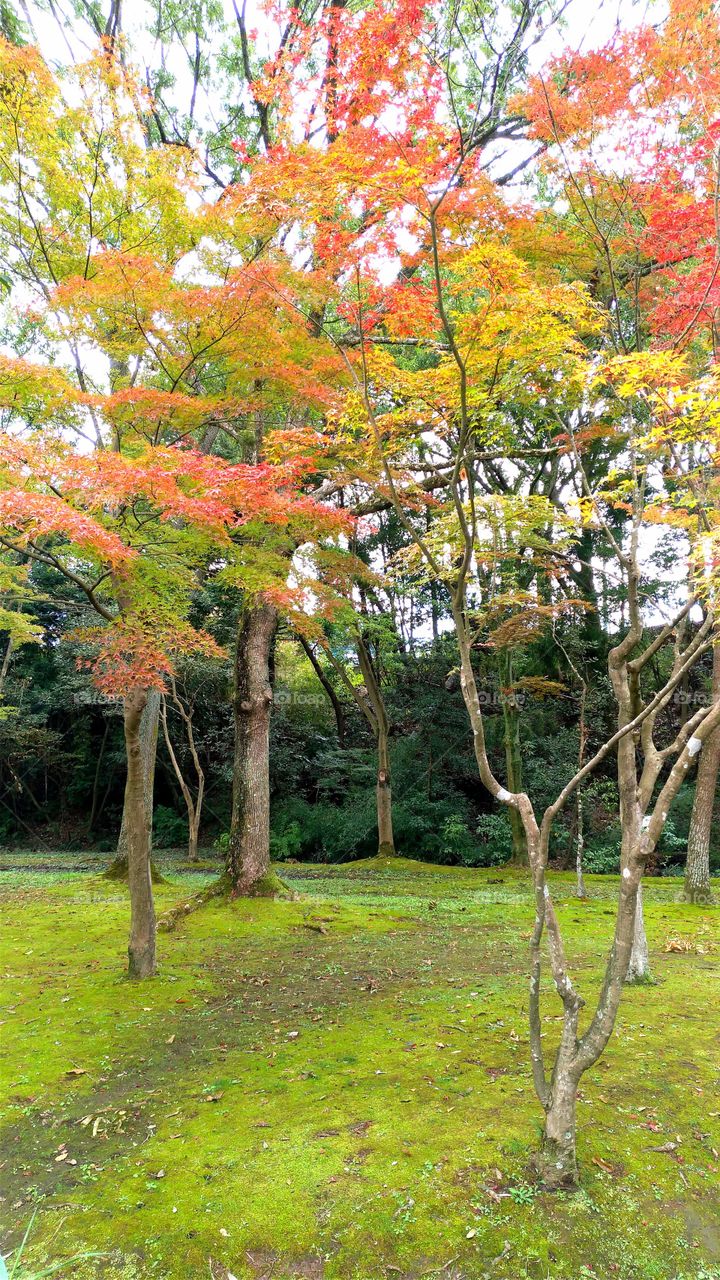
248	857
118	869
141	947
697	868
556	1162
386	841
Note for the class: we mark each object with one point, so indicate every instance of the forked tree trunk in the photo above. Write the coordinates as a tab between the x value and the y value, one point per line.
141	947
697	868
248	857
118	869
386	841
556	1162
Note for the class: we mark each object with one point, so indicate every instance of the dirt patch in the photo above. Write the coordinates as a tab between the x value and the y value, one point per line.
268	1265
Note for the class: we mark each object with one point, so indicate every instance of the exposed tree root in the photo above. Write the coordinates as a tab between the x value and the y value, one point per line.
270	886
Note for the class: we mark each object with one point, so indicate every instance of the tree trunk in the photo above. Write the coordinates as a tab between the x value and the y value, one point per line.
248	857
697	868
141	947
193	806
513	754
386	842
639	965
377	717
580	846
194	836
579	807
118	869
96	779
332	697
556	1162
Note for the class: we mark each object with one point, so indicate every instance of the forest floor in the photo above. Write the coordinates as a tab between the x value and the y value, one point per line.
338	1088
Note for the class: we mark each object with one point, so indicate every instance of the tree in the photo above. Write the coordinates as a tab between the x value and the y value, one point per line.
368	697
507	344
194	803
697	868
248	856
184	337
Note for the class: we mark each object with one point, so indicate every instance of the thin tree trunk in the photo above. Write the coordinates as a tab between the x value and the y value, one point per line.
580	845
369	700
638	969
386	841
513	754
96	779
697	868
194	806
6	663
141	947
248	857
332	697
579	806
381	727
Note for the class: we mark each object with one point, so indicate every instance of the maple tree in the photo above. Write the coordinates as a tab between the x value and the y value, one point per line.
635	155
148	506
507	370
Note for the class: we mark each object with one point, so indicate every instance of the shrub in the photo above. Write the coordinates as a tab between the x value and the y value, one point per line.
286	844
457	841
494	846
603	860
170	829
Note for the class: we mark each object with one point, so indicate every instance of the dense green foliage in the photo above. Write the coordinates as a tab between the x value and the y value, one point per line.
62	759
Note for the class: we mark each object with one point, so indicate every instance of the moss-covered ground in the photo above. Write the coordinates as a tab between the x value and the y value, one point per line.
338	1087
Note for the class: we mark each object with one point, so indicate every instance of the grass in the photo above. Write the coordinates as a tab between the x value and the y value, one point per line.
337	1088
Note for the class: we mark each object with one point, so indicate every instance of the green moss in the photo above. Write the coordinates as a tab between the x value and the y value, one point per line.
118	870
271	886
339	1086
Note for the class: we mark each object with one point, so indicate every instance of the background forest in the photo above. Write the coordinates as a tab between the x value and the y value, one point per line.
63	752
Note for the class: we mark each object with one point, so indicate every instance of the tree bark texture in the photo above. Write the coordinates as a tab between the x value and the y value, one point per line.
248	857
697	868
141	947
148	735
